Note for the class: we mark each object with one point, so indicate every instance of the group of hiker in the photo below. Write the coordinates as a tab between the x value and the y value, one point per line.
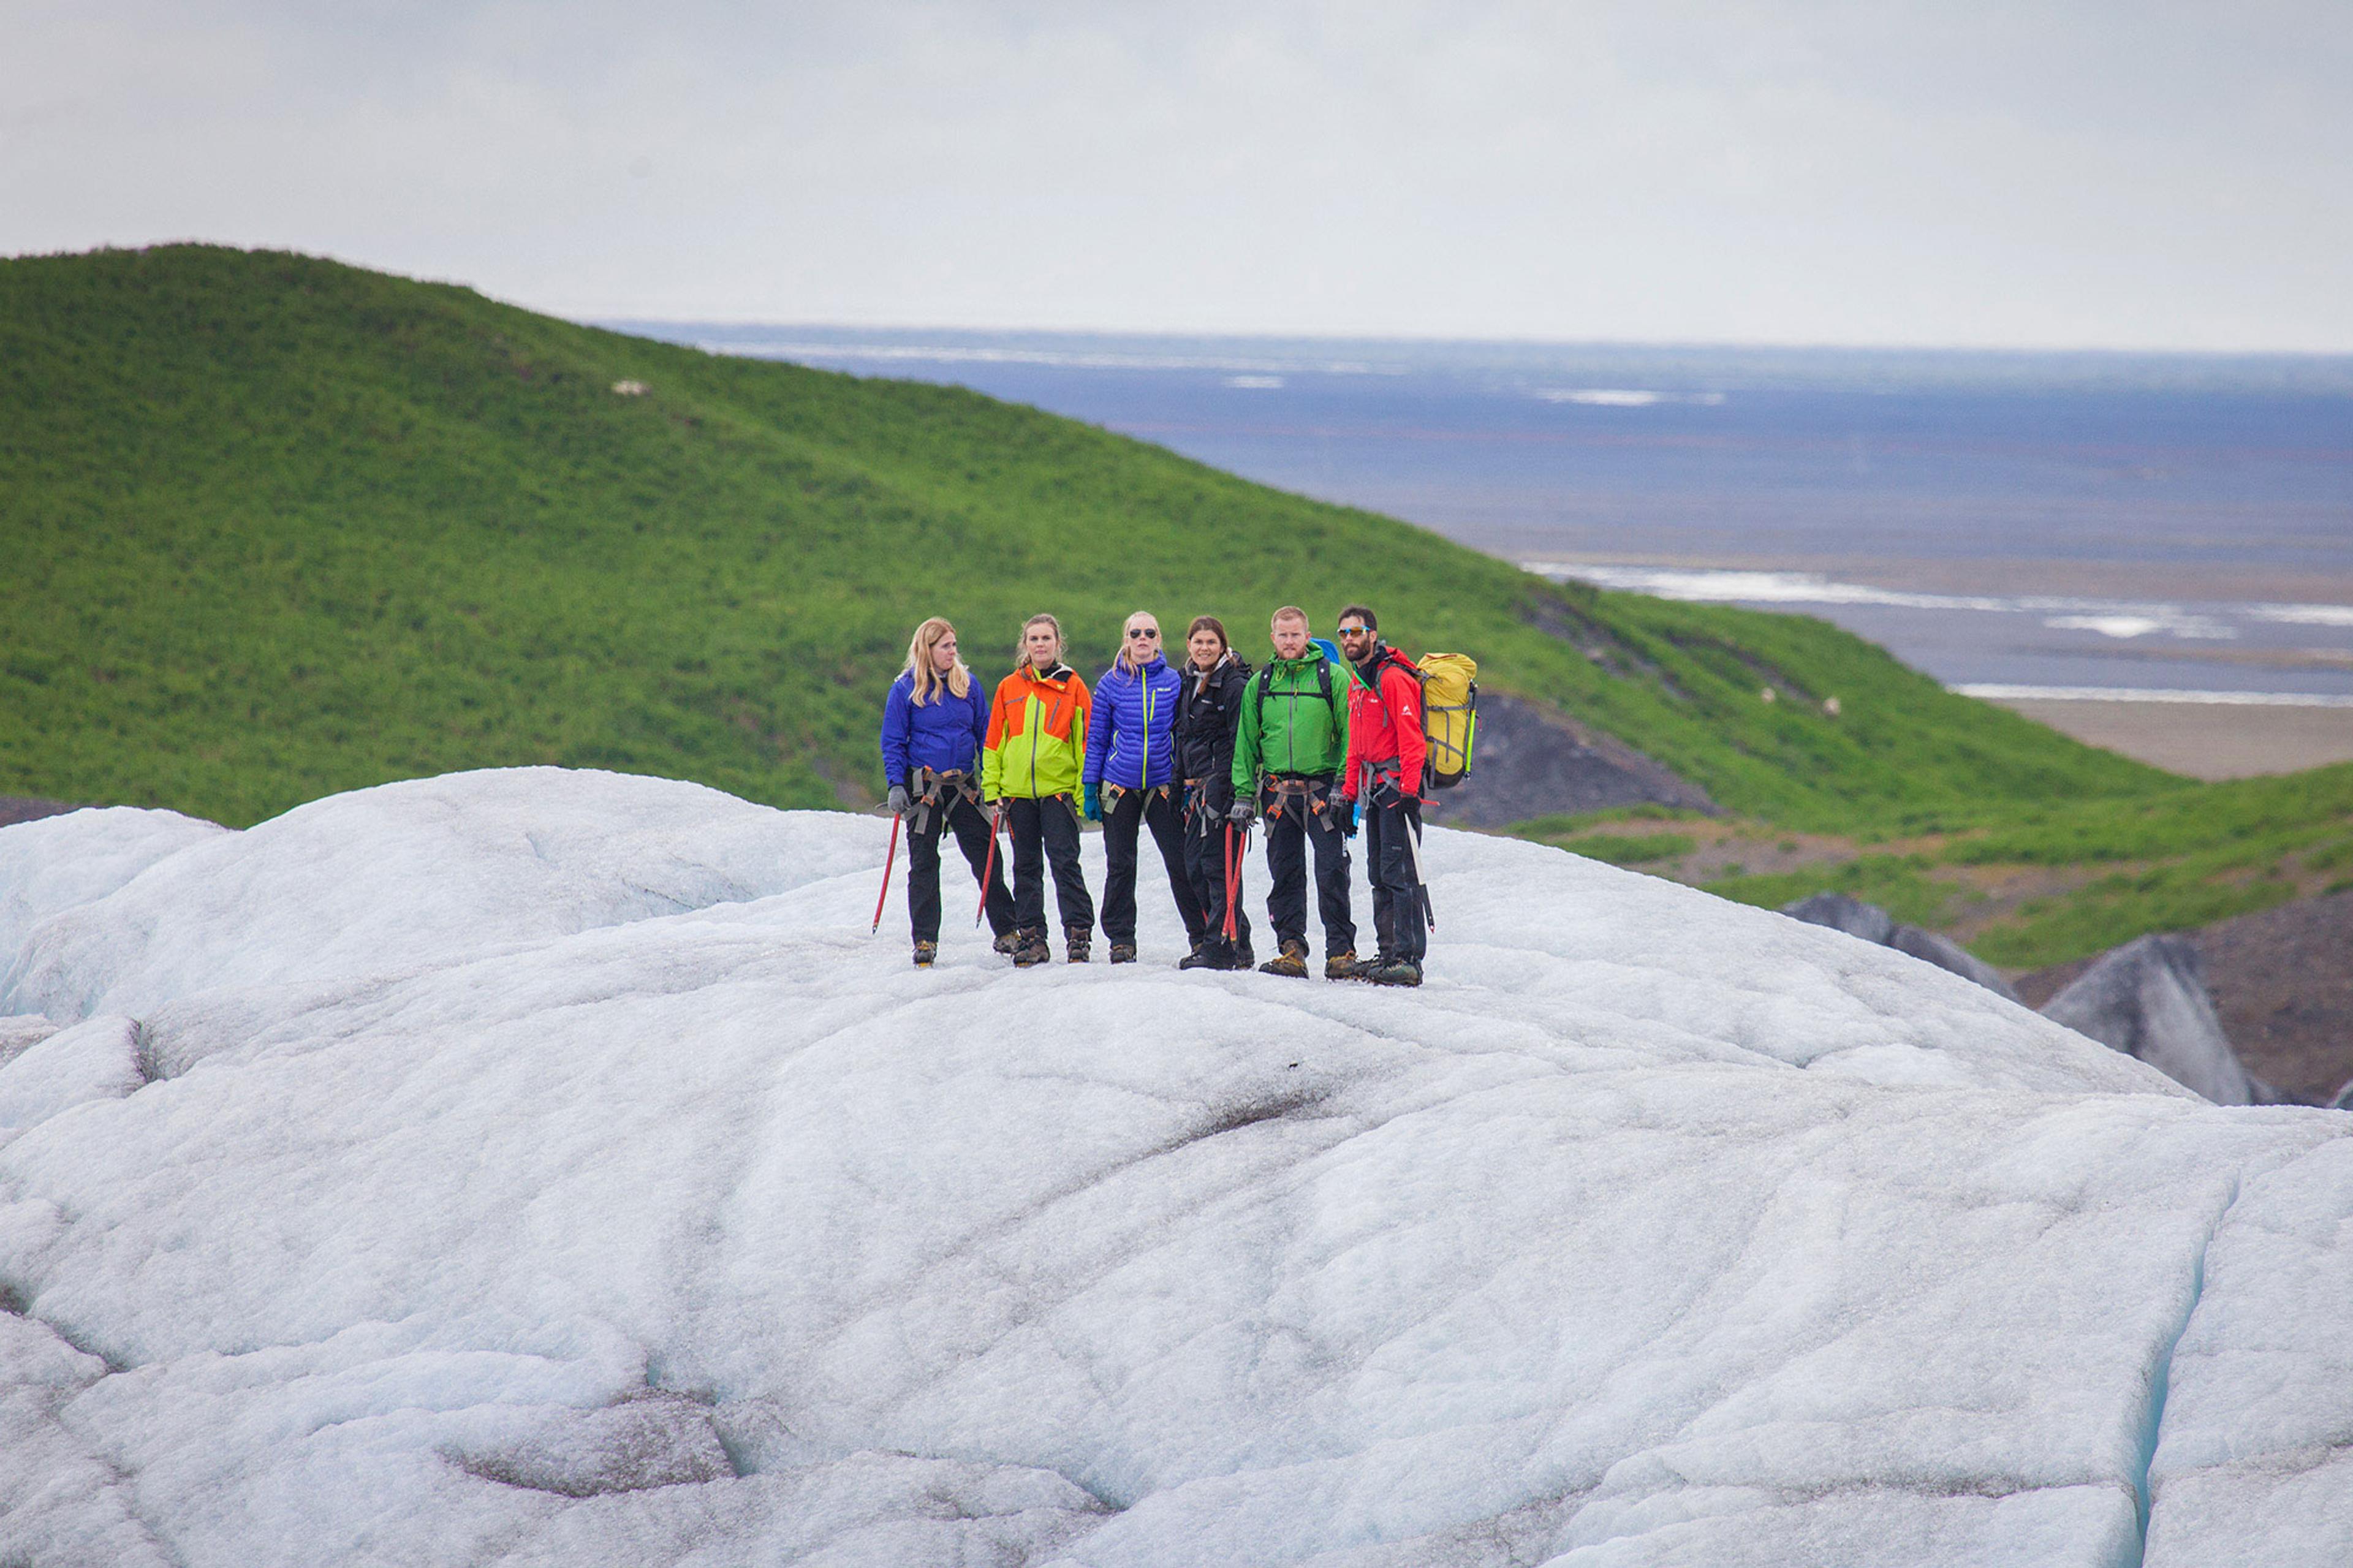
1197	753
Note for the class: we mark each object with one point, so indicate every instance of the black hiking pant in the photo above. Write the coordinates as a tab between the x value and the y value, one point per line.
971	826
1288	835
1206	837
1398	917
1135	809
1047	829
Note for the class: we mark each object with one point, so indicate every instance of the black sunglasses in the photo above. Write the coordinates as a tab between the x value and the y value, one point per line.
1142	632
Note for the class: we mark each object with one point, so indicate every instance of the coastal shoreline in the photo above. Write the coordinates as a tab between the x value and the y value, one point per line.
2205	741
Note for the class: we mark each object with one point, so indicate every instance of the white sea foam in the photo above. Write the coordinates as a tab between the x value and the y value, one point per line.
1254	383
2305	614
2127	625
2120	618
1623	397
2000	693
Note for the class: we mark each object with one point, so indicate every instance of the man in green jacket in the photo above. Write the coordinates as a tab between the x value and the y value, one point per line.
1288	752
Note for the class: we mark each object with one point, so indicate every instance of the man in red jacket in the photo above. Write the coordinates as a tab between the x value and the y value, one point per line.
1384	779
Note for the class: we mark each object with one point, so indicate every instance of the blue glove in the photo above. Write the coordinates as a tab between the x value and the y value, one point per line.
1348	819
1093	807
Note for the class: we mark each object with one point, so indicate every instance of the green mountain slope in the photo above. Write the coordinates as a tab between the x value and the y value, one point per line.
276	527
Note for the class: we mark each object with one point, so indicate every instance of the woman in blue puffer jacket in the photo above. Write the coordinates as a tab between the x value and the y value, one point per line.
1131	781
932	722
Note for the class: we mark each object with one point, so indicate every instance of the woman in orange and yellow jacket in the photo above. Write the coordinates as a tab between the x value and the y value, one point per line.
1030	763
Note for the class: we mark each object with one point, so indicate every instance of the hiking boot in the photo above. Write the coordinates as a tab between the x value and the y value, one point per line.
1005	942
1291	960
1363	968
1341	965
925	952
1239	956
1031	949
1397	971
1078	939
1206	954
1123	952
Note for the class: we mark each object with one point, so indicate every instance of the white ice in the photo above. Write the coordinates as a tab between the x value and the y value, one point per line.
543	1167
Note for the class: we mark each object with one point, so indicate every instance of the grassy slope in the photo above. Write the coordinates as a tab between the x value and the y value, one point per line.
277	527
2055	882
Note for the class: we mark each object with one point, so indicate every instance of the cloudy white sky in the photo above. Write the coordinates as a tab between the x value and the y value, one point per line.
1880	172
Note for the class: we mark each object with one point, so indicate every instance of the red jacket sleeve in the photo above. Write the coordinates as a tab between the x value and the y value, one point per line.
1352	767
1401	695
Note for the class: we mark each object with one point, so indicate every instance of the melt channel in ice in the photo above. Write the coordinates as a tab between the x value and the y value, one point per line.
546	1167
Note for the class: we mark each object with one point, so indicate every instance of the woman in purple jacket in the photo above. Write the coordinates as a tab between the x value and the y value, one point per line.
932	722
1130	782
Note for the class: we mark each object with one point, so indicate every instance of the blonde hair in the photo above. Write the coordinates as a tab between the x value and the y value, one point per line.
928	680
1127	643
1288	613
1022	643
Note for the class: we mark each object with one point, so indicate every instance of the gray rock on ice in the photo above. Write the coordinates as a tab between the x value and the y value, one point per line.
1947	954
1871	923
1867	922
2148	1000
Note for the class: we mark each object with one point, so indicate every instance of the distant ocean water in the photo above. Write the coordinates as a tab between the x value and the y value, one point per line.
2163	526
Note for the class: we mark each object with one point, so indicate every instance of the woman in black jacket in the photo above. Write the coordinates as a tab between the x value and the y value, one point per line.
1215	678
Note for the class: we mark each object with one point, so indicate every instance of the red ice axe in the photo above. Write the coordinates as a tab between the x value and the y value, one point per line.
1235	850
996	820
888	858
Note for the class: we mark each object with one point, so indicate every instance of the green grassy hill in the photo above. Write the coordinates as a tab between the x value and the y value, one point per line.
276	527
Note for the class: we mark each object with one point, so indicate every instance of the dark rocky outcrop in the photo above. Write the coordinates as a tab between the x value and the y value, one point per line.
1853	916
1946	954
1871	923
2148	1000
2282	983
1532	760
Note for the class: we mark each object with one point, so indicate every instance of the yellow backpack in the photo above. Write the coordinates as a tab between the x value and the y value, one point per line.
1450	716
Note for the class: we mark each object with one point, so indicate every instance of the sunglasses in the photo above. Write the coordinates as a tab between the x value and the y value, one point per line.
1354	631
1135	632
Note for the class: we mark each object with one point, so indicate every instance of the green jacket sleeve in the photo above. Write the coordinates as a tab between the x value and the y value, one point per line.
1245	769
1340	717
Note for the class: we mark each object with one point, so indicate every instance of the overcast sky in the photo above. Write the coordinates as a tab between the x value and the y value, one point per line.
2107	174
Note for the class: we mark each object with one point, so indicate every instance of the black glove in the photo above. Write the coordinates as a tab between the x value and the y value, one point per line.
899	800
1240	814
1347	810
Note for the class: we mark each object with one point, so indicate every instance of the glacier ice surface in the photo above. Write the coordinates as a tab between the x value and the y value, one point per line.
546	1167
